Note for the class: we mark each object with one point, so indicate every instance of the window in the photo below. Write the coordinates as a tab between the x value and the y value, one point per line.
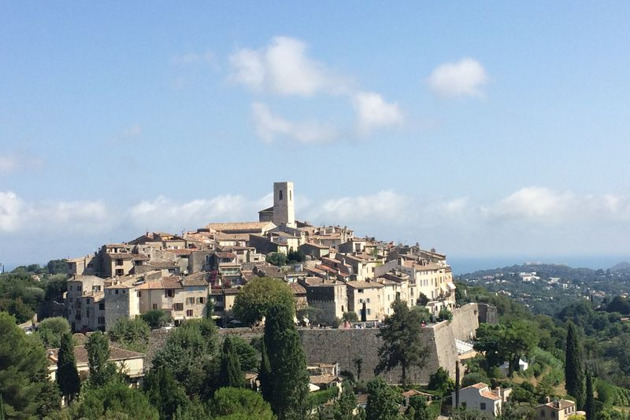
178	306
368	300
280	195
101	306
360	290
101	320
369	311
120	272
139	293
154	306
119	262
201	300
116	291
542	413
483	406
169	293
190	301
189	312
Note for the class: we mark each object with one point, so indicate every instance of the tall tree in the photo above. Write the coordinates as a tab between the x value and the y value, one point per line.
187	353
102	370
264	374
382	403
256	297
114	400
402	345
287	386
231	374
67	374
589	404
574	366
164	392
24	384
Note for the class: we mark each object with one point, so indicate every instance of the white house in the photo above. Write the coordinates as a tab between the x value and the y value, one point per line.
480	397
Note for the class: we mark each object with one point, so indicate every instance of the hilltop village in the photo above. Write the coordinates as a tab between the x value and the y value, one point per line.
187	275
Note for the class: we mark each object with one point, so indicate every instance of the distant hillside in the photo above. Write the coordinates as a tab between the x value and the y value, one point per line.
546	288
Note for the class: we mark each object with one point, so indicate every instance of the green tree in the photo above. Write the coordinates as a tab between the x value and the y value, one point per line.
519	340
164	392
287	385
247	354
24	384
296	256
257	296
67	374
346	403
382	403
51	330
441	382
574	366
231	374
102	371
277	258
188	353
114	400
402	345
350	317
156	318
264	374
589	404
235	402
131	334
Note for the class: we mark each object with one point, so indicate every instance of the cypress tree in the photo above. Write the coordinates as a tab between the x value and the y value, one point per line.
287	386
589	405
574	366
67	374
231	374
264	374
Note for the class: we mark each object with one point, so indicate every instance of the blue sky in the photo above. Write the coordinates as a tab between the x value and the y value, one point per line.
480	129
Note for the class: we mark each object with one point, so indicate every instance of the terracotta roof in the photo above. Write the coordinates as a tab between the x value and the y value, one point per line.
172	282
297	288
195	280
239	226
81	355
364	284
225	255
561	404
490	395
128	256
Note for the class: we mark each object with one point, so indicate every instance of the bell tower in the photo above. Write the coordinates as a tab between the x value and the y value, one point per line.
283	204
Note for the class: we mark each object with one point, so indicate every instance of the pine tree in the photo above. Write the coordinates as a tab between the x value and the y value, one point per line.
574	366
287	386
231	374
382	403
589	405
67	374
402	345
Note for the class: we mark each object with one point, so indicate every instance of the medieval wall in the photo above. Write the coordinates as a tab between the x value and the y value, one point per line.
345	346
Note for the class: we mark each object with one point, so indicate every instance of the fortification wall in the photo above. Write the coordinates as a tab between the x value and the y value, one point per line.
346	346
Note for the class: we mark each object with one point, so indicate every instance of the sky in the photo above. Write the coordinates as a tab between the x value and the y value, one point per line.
482	129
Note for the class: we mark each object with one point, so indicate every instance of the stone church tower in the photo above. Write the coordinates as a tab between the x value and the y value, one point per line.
283	204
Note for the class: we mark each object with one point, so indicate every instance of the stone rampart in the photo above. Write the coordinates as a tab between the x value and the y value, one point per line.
345	346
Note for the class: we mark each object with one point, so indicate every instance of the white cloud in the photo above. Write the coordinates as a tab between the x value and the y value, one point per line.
283	68
270	126
465	77
8	164
166	214
10	210
384	205
373	112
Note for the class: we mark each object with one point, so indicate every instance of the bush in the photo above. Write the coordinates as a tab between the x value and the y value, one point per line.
156	318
